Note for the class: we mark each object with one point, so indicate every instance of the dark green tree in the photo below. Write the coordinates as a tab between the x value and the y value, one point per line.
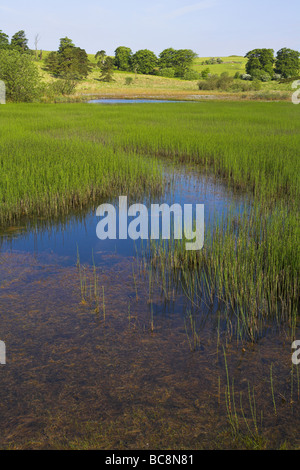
167	58
100	57
68	62
107	68
144	61
287	63
183	61
19	41
52	63
4	40
65	43
123	58
260	59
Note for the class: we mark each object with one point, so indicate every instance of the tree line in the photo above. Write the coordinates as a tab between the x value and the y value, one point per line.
71	63
170	61
263	65
18	42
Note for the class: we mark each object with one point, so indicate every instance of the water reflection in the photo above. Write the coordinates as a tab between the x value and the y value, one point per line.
78	231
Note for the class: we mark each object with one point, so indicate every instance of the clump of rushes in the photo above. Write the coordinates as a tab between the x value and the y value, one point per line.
248	270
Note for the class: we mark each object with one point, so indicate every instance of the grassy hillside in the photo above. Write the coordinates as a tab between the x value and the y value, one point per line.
152	86
230	65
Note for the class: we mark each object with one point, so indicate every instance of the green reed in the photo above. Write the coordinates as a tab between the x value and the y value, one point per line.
47	169
55	158
248	269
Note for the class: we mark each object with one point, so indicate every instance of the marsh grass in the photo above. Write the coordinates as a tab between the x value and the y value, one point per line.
45	173
191	331
68	153
247	270
58	158
250	262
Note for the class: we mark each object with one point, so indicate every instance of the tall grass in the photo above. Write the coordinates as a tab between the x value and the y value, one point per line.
255	146
248	269
46	169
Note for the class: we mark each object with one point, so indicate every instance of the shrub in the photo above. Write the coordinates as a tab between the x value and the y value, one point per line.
168	72
61	87
260	75
128	80
214	82
21	76
241	86
266	77
245	86
191	75
209	84
246	76
256	85
225	81
205	73
212	61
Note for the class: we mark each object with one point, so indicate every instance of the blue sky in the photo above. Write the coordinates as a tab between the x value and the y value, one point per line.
209	27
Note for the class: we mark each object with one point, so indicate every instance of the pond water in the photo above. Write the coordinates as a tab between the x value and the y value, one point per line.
63	239
131	101
99	354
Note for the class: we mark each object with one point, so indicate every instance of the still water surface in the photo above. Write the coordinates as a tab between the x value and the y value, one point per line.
130	101
120	373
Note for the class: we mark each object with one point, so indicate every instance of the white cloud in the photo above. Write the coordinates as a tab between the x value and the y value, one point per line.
204	5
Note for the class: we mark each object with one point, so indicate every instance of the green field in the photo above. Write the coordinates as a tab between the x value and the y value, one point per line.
231	65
